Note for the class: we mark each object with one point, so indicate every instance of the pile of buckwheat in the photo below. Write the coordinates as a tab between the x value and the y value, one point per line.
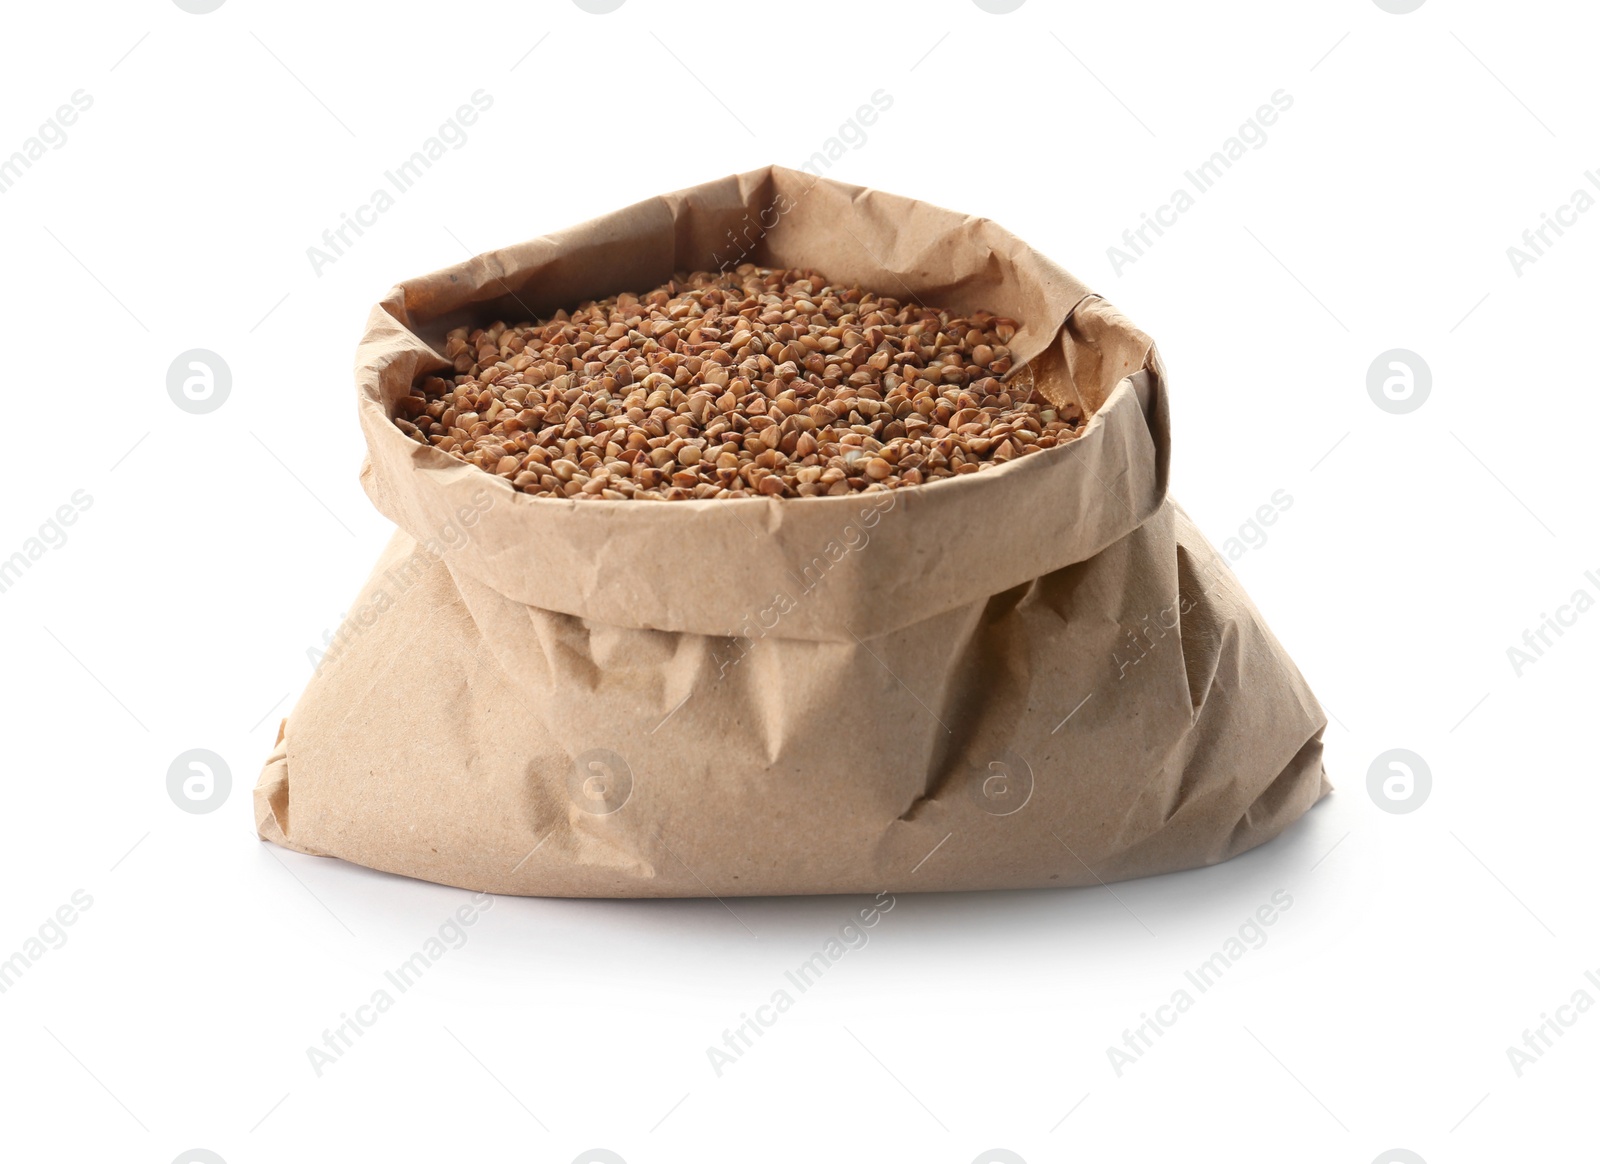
751	382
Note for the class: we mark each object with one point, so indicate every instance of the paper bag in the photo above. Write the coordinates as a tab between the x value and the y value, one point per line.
1038	675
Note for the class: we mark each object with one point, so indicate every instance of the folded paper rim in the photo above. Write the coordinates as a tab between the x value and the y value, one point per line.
624	564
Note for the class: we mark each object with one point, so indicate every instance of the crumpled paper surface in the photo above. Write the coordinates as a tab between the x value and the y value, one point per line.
1037	675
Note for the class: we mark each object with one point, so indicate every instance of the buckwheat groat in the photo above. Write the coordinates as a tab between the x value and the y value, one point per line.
752	382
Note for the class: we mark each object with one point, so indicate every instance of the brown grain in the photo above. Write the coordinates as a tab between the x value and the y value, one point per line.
746	383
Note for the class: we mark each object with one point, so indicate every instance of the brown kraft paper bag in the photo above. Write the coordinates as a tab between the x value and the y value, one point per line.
1037	675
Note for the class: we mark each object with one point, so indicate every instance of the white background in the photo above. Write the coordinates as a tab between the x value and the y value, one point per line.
219	547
